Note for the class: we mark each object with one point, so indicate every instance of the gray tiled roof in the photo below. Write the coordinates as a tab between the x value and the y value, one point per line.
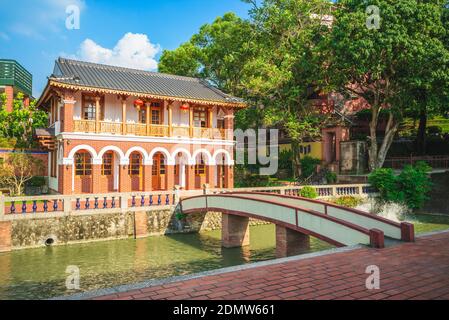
45	132
87	74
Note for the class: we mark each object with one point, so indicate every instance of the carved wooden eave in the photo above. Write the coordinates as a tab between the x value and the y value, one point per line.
56	84
47	143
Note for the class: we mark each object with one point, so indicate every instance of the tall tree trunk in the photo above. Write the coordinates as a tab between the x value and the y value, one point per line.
296	159
390	133
372	150
421	135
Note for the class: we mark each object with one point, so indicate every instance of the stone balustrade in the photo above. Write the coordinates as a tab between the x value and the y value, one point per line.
59	205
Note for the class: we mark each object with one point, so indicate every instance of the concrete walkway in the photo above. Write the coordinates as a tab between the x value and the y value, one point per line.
408	271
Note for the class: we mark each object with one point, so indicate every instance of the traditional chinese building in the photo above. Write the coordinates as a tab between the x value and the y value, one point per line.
114	129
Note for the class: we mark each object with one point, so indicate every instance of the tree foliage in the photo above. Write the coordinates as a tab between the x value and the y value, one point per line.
401	65
17	170
411	187
20	123
287	52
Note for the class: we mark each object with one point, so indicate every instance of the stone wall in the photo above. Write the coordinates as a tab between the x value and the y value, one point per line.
34	232
29	233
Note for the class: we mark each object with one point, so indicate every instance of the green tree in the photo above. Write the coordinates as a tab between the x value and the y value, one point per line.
183	61
388	66
217	53
288	66
21	122
17	170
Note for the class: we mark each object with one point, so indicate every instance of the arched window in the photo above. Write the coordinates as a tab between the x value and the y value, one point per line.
106	167
83	164
135	165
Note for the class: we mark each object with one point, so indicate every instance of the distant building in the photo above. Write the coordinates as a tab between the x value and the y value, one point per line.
14	79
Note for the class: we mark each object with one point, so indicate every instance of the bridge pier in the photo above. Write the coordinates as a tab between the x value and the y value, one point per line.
290	242
235	231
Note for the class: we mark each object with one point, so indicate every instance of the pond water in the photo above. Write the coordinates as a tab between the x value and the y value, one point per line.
41	273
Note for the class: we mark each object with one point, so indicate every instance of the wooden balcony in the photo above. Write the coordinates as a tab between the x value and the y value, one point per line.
142	130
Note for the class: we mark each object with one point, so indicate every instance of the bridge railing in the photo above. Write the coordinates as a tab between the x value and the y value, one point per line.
324	191
392	229
119	202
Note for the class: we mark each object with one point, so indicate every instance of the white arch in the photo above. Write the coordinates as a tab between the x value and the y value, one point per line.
91	150
184	152
111	148
138	149
228	156
209	160
168	158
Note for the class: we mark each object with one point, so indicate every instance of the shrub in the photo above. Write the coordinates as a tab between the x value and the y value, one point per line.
386	183
308	192
415	185
36	182
331	177
286	161
348	201
410	187
308	166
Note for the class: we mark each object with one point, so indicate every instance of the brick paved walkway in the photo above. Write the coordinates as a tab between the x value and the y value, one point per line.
408	271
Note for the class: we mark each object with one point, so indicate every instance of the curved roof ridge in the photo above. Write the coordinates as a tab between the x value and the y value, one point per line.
125	69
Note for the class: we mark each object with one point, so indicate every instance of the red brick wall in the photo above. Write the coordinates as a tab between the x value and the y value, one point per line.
128	184
9	98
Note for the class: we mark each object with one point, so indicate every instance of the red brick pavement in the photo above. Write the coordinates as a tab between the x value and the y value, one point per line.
408	271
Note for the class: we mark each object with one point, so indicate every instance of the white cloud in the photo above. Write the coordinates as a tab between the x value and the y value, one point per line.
134	50
47	16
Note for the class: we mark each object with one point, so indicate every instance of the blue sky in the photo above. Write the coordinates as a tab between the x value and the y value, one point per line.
129	33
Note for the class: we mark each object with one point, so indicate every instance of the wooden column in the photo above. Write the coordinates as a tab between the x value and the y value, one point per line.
97	114
170	119
191	120
211	117
147	120
123	115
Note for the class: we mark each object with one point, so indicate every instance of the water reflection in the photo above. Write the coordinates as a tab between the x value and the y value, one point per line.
40	273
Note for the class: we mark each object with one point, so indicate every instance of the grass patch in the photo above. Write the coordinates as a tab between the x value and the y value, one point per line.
428	223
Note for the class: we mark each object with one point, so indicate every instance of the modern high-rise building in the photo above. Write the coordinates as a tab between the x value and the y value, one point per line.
14	79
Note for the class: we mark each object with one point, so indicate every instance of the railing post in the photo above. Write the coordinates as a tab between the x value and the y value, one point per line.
334	192
124	201
67	205
176	190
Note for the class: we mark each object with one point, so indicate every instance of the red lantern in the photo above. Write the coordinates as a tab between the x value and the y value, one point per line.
139	103
185	107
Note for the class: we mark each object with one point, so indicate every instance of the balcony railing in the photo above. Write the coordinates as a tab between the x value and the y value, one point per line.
142	130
